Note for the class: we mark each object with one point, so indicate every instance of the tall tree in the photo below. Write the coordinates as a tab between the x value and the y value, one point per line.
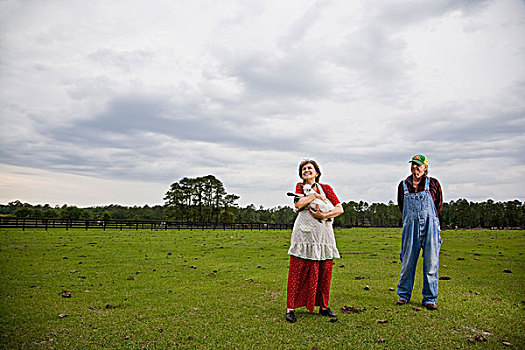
198	199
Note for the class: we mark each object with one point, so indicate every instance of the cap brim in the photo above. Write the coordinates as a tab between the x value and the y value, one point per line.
417	162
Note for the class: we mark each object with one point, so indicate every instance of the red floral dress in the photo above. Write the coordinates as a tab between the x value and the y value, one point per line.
311	252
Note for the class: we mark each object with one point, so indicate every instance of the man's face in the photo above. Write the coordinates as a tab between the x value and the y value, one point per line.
418	170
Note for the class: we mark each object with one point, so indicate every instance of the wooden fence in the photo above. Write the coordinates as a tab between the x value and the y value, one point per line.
23	223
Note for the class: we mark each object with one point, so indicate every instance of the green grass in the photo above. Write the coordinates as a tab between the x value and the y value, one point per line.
169	304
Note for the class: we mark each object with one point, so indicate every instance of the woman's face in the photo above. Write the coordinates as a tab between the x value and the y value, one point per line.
308	172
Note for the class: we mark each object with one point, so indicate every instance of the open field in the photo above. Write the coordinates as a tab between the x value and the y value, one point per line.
227	289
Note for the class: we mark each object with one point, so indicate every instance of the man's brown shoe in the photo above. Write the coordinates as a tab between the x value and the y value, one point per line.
401	302
431	306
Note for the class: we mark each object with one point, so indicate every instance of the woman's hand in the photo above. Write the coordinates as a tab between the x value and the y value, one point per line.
318	196
305	201
316	213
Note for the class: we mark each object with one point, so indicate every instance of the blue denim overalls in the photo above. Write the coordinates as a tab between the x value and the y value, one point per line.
420	231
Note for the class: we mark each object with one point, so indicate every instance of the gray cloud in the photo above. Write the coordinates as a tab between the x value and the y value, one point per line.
249	90
375	62
136	115
126	61
487	129
300	27
267	77
409	13
135	129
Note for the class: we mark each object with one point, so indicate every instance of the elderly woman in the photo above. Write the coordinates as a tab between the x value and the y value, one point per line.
313	246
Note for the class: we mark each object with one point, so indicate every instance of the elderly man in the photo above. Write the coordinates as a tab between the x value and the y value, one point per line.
420	200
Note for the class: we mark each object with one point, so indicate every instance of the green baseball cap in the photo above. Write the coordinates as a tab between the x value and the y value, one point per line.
419	159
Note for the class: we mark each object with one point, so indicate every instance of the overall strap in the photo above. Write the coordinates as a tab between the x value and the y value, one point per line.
321	191
405	187
427	184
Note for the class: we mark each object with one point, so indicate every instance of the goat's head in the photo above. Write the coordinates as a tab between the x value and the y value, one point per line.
307	189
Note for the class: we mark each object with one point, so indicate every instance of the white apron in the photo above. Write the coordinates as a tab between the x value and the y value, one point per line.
312	239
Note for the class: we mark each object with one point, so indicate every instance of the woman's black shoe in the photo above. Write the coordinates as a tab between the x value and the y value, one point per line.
290	317
327	312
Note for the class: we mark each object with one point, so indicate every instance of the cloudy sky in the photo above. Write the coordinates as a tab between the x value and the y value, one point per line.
112	101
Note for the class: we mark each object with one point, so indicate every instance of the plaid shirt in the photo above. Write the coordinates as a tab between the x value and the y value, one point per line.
434	188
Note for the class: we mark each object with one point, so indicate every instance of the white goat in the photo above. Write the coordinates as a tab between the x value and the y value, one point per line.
323	206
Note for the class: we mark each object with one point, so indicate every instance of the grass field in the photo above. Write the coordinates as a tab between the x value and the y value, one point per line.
227	290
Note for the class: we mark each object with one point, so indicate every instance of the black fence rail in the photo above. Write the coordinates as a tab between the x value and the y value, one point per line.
23	223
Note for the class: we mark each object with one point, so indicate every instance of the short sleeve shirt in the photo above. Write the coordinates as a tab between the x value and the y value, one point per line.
327	189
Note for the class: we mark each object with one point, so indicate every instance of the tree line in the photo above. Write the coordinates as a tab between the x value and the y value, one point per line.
204	199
